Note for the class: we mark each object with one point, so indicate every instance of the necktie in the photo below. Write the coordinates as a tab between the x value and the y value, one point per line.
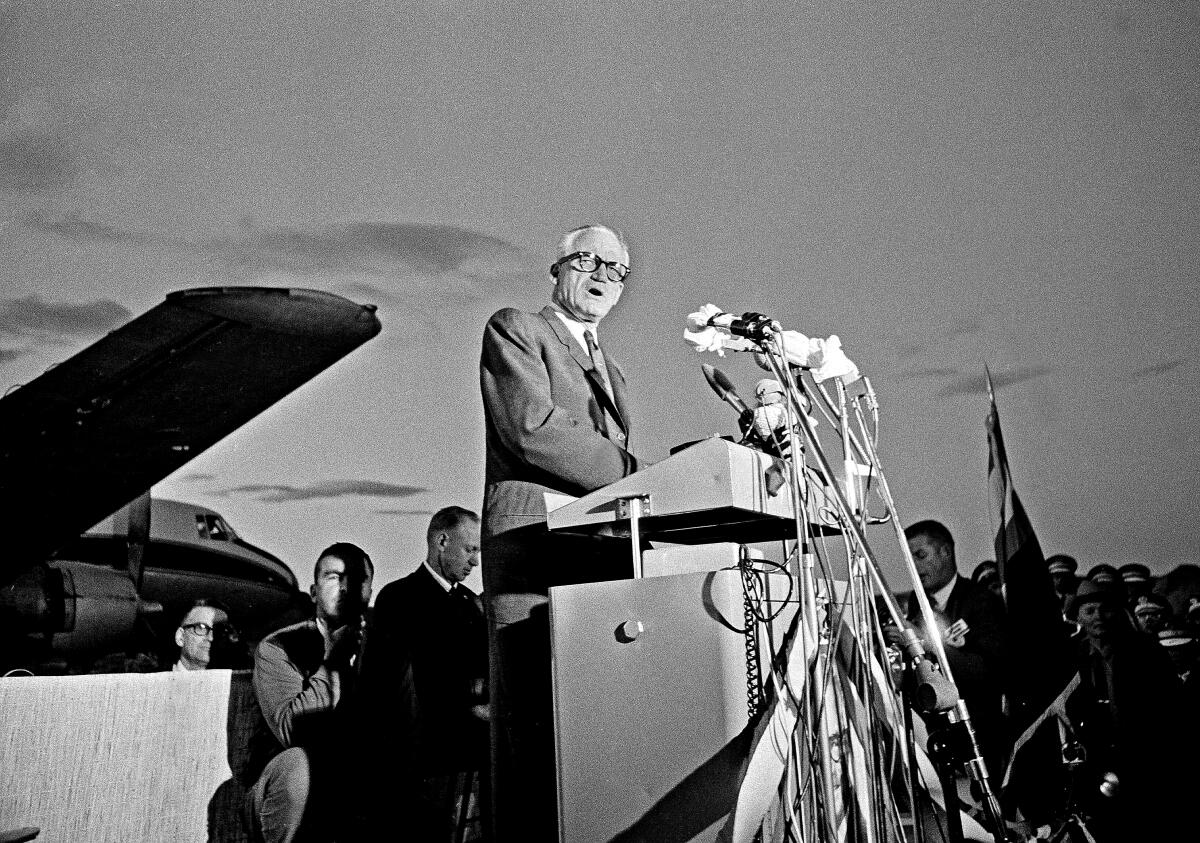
598	361
612	428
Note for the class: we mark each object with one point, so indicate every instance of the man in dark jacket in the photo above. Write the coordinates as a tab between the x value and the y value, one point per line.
969	619
428	628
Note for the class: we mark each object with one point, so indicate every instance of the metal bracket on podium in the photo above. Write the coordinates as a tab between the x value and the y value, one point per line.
634	507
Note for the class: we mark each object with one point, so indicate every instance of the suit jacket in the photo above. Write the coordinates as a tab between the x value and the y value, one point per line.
417	626
544	408
978	666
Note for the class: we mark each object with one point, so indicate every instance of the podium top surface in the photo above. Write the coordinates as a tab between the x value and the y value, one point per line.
715	490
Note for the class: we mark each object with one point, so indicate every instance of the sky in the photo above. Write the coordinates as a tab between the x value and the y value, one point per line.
943	185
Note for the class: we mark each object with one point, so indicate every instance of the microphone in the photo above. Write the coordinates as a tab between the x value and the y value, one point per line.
768	419
753	326
770	415
723	386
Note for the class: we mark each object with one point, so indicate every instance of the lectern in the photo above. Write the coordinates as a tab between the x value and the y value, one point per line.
652	677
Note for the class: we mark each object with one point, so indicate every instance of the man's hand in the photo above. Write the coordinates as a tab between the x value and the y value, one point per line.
345	643
956	634
894	635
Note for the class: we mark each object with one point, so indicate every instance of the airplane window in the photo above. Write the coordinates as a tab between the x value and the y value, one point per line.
212	527
217	528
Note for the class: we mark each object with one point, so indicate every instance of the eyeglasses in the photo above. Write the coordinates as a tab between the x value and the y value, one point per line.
590	262
200	629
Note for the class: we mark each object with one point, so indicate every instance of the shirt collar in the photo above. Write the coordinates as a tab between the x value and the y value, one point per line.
577	328
438	578
323	628
943	594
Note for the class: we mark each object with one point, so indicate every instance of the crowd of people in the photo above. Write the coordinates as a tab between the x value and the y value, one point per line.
1109	748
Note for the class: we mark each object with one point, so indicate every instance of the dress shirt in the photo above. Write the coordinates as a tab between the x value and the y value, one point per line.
939	598
577	328
438	578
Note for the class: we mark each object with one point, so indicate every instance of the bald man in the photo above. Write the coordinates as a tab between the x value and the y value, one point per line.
556	420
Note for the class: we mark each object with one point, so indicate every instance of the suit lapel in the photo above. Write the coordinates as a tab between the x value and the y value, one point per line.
953	607
615	403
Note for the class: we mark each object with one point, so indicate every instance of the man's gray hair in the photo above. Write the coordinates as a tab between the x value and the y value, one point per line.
567	245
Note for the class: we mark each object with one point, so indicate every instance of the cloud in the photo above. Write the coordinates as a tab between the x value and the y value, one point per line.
74	227
33	317
325	490
976	384
963	329
34	155
375	249
196	477
929	372
1158	368
426	513
7	355
967	328
455	259
34	162
911	350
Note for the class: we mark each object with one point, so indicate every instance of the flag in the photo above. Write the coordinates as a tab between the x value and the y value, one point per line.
1041	664
857	690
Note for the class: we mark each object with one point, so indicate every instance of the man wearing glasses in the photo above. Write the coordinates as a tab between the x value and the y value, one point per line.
556	421
195	634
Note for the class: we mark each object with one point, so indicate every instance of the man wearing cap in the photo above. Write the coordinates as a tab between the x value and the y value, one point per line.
1106	574
1136	577
1129	712
1062	570
557	421
1103	573
1182	647
1151	613
987	575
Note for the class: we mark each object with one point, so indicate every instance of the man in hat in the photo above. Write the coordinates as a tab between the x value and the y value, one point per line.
987	575
1107	575
1151	613
1184	650
1136	577
1062	570
1129	713
1103	573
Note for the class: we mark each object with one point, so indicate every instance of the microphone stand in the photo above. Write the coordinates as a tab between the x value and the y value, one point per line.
954	707
811	704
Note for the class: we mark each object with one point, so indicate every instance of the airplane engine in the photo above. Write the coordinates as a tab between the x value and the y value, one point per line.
100	608
83	608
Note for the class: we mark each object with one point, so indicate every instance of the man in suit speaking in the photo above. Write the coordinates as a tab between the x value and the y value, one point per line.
556	421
